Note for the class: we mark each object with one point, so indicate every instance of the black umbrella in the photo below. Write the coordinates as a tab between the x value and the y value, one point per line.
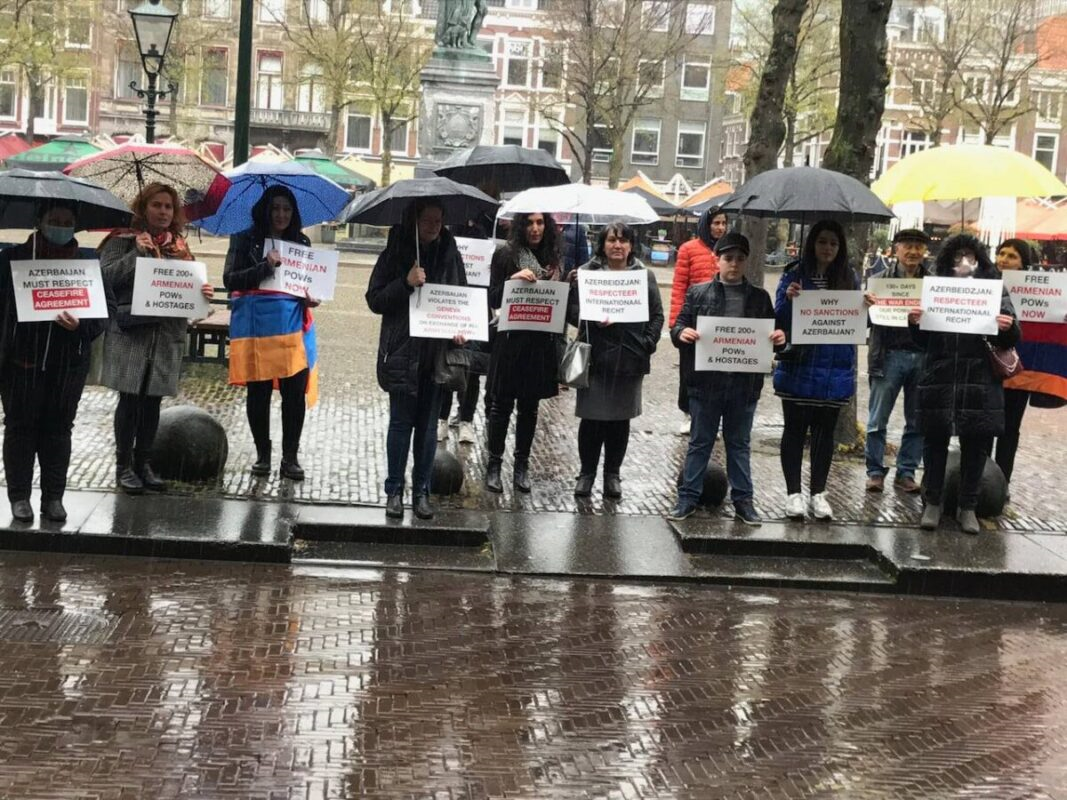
807	194
24	192
507	167
387	206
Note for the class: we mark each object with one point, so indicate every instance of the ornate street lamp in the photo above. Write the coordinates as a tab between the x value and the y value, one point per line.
152	24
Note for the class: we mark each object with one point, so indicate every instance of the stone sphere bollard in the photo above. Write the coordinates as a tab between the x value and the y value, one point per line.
191	445
447	474
716	486
992	488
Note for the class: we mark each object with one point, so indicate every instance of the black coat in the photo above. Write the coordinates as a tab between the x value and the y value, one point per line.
400	357
246	262
709	300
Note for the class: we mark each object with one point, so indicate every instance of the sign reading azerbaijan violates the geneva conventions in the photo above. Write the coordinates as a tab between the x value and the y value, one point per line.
727	344
1038	296
477	257
441	311
961	305
829	316
539	306
892	299
613	296
45	288
165	287
304	271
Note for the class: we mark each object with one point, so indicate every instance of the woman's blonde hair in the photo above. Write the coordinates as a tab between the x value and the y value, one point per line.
140	206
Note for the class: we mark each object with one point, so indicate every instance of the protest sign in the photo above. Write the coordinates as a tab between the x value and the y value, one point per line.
730	344
539	306
165	287
893	298
441	311
829	316
44	288
304	271
613	296
1038	296
960	305
477	257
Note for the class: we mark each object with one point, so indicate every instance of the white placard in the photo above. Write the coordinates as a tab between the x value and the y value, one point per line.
613	295
729	344
477	258
164	287
829	316
894	296
44	288
304	271
539	306
440	311
961	305
1038	296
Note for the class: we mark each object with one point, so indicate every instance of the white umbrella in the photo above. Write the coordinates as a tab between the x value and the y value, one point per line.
591	204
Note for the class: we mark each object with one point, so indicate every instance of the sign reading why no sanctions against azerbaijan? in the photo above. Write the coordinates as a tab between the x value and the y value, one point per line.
829	316
893	298
613	296
304	271
43	289
169	288
539	306
961	305
477	257
441	311
1038	296
727	344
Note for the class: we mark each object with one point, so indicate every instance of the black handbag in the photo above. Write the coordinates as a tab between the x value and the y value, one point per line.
451	368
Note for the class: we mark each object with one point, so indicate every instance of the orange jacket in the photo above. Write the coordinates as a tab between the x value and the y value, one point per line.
695	264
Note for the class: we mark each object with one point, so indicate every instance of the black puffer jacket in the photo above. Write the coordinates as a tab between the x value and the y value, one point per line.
400	358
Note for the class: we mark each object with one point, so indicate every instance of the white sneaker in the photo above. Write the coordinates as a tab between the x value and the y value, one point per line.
442	429
684	428
820	506
466	433
454	421
794	506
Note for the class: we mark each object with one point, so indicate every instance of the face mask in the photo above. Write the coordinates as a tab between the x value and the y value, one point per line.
965	267
56	235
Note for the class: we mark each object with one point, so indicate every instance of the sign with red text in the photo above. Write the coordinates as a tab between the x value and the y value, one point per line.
1038	296
829	316
729	344
613	296
304	271
538	306
477	258
45	288
441	311
169	288
893	298
961	305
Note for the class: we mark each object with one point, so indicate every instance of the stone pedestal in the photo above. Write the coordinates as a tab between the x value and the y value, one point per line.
458	102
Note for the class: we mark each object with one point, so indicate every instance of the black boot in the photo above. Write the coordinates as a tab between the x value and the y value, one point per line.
521	476
125	478
149	479
262	465
291	468
492	475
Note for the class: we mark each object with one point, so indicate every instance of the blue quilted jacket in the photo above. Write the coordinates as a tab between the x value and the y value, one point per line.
819	371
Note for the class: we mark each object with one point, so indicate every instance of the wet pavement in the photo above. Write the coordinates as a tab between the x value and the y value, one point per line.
124	678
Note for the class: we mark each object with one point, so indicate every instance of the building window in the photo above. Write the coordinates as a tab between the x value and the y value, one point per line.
974	87
923	90
9	85
527	5
518	66
358	133
217	9
600	143
76	101
548	140
928	25
214	77
699	19
127	69
1045	146
311	93
78	22
914	142
655	15
271	10
398	139
552	61
513	130
690	144
318	11
651	75
696	80
269	81
1049	105
644	148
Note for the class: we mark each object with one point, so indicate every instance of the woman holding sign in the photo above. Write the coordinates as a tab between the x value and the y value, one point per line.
142	355
43	366
272	333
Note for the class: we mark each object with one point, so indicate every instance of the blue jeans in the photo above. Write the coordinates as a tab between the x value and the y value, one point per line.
412	413
735	412
901	372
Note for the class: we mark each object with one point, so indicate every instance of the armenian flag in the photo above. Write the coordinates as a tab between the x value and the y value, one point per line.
272	336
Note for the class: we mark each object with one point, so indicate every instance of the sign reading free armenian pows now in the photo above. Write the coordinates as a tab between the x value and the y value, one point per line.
829	316
538	306
45	288
613	296
165	287
1038	296
728	344
442	311
304	271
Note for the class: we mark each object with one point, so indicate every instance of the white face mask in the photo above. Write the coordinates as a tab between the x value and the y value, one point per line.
965	267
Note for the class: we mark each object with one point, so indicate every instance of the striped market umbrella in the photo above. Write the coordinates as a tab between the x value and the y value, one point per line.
54	155
328	168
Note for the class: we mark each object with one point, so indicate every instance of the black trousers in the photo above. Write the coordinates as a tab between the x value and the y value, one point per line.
683	387
257	406
525	426
612	437
39	411
799	419
136	423
1015	402
973	452
468	401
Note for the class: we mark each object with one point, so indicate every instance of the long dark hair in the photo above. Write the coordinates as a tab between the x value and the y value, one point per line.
261	213
946	259
548	251
704	225
838	275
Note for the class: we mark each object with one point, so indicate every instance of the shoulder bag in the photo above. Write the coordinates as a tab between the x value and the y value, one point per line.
451	368
1004	361
575	361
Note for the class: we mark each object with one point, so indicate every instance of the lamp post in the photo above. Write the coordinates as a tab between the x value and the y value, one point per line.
152	24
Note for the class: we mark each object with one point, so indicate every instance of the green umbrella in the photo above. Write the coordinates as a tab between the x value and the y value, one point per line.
328	168
53	155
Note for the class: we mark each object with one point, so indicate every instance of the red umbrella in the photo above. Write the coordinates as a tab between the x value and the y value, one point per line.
127	169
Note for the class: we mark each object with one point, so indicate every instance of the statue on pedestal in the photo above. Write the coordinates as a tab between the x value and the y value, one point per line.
458	23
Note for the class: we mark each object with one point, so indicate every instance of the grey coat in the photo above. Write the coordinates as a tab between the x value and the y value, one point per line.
155	350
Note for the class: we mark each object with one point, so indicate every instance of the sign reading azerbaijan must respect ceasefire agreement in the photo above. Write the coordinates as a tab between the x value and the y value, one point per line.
44	289
538	306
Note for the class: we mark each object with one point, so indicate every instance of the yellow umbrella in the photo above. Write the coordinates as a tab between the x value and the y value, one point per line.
966	171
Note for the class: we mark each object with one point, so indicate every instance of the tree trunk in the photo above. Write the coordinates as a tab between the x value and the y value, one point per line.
329	145
387	153
36	92
615	165
790	142
172	114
